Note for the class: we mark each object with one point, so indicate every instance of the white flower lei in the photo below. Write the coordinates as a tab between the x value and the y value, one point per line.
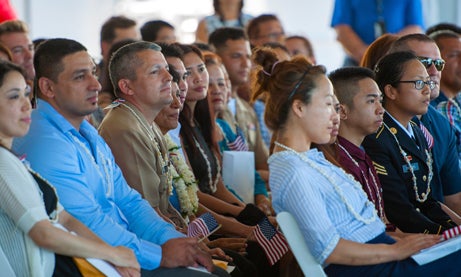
152	133
183	180
424	195
338	190
376	188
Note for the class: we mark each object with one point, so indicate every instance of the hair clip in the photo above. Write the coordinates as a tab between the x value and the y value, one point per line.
272	69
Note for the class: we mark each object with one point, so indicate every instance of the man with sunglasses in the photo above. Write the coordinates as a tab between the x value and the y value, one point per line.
446	185
449	100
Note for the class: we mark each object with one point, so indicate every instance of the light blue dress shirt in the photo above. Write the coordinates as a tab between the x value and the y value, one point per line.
91	186
321	214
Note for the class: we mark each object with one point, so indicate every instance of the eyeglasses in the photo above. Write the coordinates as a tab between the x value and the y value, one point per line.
427	62
419	84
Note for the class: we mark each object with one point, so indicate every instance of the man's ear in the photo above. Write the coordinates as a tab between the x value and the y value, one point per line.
46	87
343	111
125	86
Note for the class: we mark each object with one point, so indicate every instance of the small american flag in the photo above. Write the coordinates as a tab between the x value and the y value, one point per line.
272	241
427	135
202	226
238	144
451	233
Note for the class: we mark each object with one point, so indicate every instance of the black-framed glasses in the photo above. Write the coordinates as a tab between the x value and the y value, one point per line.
419	84
427	62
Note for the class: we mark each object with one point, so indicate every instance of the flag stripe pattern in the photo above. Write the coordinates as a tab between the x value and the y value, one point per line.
202	225
238	144
450	233
272	241
427	135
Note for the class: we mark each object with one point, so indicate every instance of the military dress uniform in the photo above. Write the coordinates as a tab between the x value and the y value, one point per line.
395	167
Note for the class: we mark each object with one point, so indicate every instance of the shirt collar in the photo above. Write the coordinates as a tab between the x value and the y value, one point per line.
354	151
60	122
407	129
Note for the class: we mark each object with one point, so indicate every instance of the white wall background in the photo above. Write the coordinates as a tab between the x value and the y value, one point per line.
81	19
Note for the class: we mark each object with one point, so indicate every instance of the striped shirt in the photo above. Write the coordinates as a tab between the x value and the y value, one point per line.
321	214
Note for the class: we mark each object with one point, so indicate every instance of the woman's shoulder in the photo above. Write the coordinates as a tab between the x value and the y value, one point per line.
278	162
7	158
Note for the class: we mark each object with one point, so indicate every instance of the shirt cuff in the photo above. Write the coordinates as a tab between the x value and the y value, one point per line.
150	255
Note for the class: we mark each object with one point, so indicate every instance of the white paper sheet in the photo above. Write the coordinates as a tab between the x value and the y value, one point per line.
438	251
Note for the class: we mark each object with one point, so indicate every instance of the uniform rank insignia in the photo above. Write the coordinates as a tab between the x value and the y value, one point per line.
380	169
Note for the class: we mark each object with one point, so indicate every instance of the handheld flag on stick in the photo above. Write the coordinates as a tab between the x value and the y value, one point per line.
203	225
272	241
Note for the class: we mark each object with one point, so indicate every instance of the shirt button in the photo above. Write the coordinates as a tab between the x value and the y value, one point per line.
417	209
424	178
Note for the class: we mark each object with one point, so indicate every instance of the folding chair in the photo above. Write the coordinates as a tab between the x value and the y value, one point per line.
306	261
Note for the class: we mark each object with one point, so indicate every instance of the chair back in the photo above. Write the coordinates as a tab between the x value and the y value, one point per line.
306	261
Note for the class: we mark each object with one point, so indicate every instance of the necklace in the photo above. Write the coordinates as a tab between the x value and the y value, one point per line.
153	135
424	195
376	188
338	190
212	183
183	180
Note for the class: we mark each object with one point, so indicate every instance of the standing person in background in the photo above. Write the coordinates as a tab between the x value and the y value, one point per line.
265	28
228	13
359	23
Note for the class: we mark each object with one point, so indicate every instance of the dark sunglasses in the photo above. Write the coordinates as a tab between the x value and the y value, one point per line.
427	62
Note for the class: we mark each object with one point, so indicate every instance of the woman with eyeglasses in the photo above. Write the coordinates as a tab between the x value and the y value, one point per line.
399	148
